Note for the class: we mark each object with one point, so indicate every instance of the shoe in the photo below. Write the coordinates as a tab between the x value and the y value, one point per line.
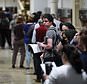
28	68
22	66
37	80
10	48
13	66
34	73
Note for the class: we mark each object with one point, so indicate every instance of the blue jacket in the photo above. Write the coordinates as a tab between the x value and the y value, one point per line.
26	28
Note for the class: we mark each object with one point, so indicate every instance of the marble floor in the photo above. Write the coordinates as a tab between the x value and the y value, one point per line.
8	75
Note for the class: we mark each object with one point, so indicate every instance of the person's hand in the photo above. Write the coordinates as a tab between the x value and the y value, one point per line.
76	37
45	76
41	56
59	46
40	44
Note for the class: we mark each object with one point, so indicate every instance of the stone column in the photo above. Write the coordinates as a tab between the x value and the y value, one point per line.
75	13
4	4
54	6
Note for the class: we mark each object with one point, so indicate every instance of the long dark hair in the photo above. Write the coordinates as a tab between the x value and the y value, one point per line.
83	37
73	57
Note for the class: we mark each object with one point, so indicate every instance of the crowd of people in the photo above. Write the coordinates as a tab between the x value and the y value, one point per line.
60	42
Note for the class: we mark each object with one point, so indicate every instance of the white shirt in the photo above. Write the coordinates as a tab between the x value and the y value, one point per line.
57	22
65	74
34	33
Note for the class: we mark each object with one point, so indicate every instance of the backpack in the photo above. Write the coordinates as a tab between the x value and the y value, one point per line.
55	41
58	37
55	53
4	21
30	32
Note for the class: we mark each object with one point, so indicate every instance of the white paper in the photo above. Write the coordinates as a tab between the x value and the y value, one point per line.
54	65
43	67
35	47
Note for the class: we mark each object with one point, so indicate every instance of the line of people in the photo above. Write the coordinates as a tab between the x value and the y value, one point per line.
40	29
43	34
73	55
32	31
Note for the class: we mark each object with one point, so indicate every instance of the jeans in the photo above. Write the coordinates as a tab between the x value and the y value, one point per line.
28	56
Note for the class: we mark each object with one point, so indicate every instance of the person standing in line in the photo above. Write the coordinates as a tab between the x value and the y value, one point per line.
71	72
5	31
82	45
27	40
50	38
57	22
18	43
12	25
40	34
36	25
80	41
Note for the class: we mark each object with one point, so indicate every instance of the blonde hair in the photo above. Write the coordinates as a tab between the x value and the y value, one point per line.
20	19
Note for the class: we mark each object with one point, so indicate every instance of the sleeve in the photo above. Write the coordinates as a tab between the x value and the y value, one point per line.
34	33
34	36
49	34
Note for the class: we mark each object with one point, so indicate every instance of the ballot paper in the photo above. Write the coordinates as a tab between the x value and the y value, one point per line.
35	47
43	66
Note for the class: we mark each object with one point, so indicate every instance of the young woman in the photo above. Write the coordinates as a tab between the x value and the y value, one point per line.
71	72
83	47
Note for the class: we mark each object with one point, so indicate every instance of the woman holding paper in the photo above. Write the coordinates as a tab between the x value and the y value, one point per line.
71	72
